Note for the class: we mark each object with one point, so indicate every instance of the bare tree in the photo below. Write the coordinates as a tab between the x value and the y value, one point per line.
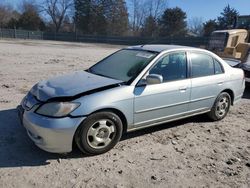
3	15
156	7
6	14
57	10
195	25
142	9
30	18
25	5
138	15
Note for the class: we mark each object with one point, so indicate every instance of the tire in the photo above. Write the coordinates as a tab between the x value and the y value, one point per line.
99	133
221	107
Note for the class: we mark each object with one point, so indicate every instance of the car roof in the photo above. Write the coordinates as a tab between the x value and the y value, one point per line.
159	47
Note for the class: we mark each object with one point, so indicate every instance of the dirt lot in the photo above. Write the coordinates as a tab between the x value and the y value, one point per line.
193	152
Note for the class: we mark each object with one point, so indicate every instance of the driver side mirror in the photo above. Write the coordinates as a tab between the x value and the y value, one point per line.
150	80
154	79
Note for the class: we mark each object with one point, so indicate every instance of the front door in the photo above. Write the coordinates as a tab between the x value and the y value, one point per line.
168	100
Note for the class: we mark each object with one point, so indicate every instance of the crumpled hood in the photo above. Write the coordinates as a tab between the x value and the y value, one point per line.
70	85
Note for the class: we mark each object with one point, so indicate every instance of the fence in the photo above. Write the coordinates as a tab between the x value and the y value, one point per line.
20	34
74	37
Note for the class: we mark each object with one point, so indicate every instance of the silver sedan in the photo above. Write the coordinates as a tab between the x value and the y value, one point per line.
134	88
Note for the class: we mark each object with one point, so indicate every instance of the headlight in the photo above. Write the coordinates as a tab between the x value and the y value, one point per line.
57	109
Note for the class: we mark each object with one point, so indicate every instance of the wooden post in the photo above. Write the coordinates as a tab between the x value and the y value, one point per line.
15	32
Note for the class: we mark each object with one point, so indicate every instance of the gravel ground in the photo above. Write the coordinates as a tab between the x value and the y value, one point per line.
194	152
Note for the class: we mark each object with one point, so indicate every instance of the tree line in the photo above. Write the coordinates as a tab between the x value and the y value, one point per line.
111	17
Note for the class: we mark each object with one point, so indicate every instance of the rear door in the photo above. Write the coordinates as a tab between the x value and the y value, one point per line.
207	79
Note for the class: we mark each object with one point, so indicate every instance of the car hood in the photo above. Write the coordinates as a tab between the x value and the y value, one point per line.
70	85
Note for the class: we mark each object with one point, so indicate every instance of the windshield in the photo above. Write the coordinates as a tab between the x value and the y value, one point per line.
218	41
123	65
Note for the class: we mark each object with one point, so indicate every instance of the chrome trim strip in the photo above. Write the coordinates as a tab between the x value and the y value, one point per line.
172	105
190	114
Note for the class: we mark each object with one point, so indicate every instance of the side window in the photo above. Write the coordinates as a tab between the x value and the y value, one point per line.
171	67
217	67
202	65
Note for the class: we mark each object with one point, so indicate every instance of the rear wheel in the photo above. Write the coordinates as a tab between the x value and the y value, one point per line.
221	107
99	133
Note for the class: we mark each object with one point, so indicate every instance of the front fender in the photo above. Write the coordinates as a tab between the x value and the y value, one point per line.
119	98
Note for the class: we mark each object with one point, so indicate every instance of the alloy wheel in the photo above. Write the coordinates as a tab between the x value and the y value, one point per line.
101	134
222	106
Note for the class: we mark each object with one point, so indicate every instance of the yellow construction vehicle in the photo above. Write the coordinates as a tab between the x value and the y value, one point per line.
234	44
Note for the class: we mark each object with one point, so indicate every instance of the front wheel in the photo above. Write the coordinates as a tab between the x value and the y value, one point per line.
99	133
221	107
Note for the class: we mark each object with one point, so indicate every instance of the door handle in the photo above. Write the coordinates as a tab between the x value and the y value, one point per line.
220	83
183	89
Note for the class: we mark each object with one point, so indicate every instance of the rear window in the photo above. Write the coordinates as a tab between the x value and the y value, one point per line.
202	65
217	67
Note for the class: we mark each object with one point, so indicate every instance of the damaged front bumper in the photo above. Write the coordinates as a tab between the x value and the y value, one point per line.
50	134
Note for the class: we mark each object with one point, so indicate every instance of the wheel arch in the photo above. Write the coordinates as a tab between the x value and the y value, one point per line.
113	110
231	93
117	112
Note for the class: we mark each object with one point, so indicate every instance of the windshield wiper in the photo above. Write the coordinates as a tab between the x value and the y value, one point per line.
93	72
88	70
